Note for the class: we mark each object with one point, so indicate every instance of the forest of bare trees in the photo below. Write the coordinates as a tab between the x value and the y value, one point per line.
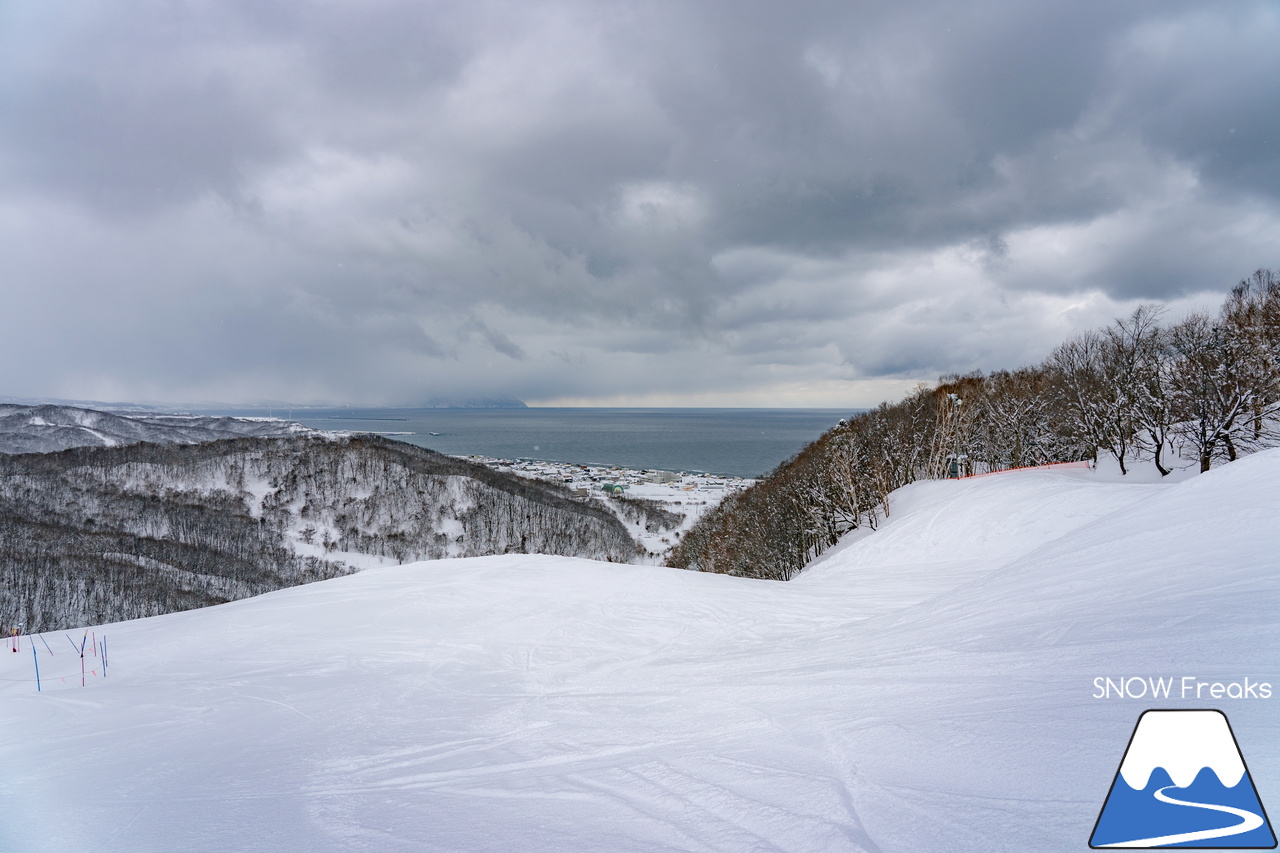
93	535
1202	390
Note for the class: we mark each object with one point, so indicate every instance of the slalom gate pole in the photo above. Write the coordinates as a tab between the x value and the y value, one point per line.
46	643
35	657
95	644
83	640
71	641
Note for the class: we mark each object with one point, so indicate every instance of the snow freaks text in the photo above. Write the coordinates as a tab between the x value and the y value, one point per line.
1178	687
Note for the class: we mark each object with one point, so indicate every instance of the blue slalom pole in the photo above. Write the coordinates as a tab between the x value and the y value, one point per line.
35	657
46	643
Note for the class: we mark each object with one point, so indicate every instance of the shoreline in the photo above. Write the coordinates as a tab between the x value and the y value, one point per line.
688	495
641	481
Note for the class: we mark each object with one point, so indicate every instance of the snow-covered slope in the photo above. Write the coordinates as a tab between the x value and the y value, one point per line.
48	428
927	687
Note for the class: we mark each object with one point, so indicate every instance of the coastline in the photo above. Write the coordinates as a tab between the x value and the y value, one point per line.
737	442
687	494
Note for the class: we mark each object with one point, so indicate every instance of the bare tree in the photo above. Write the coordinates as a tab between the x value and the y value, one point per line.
1088	407
1208	384
1133	357
1251	316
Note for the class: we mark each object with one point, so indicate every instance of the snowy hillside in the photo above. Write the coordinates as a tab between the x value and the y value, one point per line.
99	534
49	428
926	687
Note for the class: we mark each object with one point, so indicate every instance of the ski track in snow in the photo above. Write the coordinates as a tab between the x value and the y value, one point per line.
923	687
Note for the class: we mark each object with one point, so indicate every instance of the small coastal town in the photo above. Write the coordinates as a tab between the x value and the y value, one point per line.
687	494
584	479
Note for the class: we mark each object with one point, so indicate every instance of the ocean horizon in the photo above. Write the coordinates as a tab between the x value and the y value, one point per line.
737	442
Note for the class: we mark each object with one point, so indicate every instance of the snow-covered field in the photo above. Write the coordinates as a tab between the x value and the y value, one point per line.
924	687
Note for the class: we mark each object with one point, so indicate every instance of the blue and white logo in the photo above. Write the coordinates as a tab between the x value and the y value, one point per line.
1183	783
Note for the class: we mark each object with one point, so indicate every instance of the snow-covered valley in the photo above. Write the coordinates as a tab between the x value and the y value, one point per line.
927	686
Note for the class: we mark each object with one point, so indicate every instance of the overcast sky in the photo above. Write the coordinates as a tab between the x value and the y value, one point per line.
721	202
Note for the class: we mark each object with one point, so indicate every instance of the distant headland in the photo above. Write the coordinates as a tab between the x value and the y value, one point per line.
486	403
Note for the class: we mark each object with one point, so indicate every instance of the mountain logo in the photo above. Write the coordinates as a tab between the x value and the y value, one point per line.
1183	783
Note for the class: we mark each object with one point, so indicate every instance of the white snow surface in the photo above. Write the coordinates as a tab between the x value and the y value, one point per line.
924	687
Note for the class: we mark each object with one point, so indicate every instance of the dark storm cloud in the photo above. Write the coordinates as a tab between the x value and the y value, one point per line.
1201	90
394	200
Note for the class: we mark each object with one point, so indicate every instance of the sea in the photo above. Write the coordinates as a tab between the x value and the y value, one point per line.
733	442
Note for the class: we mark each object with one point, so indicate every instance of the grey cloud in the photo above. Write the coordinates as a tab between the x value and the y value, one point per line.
1204	86
398	200
129	152
498	341
124	112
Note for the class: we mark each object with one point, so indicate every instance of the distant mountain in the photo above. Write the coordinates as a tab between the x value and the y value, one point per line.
487	403
100	405
50	427
100	534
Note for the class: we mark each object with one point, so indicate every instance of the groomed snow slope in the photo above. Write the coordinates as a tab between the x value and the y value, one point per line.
927	687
